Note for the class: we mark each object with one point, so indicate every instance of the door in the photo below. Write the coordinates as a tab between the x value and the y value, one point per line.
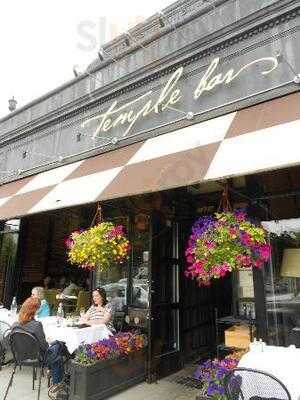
9	235
164	336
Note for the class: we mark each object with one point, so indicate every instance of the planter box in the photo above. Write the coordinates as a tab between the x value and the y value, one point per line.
106	378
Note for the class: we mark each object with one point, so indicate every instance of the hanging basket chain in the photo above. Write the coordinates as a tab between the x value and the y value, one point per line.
225	205
98	218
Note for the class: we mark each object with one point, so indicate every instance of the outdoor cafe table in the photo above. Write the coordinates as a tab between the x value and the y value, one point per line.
72	336
7	316
282	362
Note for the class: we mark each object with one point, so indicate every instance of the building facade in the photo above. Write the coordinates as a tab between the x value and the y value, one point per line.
202	95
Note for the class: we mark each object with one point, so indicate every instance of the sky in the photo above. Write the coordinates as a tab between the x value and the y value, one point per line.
41	41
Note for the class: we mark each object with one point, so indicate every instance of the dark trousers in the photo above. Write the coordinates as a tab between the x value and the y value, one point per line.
55	364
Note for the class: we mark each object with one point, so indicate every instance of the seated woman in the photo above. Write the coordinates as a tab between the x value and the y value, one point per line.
100	312
29	324
44	310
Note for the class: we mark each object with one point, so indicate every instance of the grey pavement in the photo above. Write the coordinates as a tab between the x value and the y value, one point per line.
165	389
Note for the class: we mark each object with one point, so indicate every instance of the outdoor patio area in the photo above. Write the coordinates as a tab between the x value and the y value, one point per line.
175	387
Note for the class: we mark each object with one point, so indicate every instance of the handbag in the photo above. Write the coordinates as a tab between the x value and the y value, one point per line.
56	350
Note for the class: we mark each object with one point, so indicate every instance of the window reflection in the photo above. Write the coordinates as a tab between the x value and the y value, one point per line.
8	252
282	283
140	261
12	225
114	279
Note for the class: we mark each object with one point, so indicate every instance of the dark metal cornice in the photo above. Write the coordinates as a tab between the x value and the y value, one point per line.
199	51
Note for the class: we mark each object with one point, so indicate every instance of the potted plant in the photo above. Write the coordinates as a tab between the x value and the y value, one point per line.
108	366
98	247
212	374
223	242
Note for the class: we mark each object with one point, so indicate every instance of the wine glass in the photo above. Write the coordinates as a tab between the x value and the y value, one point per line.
82	312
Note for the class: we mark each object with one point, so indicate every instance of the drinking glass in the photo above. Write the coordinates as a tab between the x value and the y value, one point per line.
82	312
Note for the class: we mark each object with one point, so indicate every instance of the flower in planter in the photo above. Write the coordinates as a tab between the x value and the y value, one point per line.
107	349
223	242
99	246
212	374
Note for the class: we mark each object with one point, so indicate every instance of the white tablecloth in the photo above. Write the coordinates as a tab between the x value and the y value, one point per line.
282	362
7	316
73	337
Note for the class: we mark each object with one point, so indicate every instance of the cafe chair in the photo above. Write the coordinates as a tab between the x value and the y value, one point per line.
50	296
83	301
26	352
119	321
4	342
251	384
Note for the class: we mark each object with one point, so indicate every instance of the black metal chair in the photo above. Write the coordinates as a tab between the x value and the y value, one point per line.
119	320
4	342
251	384
26	352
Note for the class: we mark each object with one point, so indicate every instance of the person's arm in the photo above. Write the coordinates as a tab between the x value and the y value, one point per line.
106	317
44	310
86	318
40	335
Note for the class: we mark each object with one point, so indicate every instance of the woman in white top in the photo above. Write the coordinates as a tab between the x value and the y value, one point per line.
100	311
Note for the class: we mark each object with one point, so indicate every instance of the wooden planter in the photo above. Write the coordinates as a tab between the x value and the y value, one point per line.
106	378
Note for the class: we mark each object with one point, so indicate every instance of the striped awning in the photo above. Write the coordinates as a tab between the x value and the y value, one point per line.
258	138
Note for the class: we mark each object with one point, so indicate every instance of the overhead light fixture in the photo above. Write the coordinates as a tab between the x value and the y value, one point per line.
76	74
130	37
297	79
280	56
101	54
189	115
211	2
127	38
164	20
161	19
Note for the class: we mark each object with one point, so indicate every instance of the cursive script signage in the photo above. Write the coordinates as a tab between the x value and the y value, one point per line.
127	115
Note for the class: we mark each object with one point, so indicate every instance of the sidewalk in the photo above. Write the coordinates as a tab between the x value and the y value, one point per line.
174	387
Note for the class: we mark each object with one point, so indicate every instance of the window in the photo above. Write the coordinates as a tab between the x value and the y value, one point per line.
140	261
9	235
114	279
282	283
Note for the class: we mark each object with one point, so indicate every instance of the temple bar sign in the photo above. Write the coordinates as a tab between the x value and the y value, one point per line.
125	120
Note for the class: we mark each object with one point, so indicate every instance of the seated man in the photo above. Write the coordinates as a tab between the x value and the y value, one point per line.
72	289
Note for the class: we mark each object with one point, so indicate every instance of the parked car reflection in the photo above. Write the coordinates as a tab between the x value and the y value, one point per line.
117	293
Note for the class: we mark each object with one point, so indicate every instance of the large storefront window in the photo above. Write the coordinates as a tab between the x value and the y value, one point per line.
282	283
9	235
140	261
127	284
114	280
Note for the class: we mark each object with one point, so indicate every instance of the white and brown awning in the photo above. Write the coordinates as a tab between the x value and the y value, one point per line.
258	138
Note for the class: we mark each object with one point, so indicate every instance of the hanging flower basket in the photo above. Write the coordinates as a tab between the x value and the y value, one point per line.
98	247
224	242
